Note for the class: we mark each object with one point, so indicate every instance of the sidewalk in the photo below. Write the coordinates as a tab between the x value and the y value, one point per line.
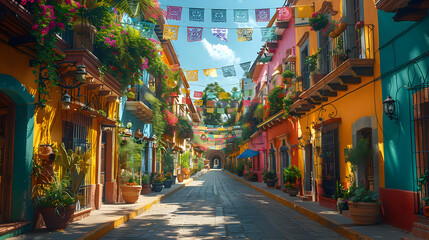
108	217
327	217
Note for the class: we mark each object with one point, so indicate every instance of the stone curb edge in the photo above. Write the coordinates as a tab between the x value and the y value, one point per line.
109	226
344	231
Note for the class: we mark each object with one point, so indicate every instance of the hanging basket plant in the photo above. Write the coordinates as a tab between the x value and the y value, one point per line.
318	21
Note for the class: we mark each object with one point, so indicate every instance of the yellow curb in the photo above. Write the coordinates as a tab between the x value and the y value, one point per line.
109	226
344	231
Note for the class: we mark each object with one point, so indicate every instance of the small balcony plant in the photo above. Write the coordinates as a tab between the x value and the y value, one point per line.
287	76
318	21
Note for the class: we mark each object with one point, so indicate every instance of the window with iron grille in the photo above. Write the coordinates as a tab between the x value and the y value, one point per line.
421	139
77	137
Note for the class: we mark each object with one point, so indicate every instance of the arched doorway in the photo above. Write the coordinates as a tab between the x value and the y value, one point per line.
16	154
217	158
7	117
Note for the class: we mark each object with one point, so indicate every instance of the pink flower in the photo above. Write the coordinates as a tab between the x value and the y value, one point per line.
61	25
35	26
43	40
78	5
165	76
73	10
68	2
43	32
102	27
52	25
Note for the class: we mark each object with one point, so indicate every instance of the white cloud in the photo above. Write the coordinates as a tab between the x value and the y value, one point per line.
220	52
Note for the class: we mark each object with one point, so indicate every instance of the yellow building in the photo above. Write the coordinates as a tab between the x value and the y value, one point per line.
340	100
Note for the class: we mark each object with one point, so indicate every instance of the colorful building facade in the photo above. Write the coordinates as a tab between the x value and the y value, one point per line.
404	71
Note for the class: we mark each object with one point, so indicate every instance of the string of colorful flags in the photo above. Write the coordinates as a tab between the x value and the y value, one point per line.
227	71
240	16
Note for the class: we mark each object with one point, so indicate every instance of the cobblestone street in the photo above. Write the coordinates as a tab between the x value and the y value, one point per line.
217	206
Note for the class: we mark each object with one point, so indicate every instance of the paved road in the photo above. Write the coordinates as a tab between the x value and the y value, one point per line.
216	206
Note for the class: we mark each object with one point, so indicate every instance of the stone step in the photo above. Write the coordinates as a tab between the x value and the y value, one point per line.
306	198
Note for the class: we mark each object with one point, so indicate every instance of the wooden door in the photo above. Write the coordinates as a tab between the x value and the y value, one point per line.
6	145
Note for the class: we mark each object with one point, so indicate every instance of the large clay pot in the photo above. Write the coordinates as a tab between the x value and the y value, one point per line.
168	182
364	213
271	183
186	173
180	177
130	194
146	188
292	192
57	218
138	134
157	187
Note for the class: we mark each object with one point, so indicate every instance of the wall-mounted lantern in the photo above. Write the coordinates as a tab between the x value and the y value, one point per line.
389	107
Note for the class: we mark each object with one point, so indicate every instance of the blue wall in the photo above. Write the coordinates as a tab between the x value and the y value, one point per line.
401	42
146	129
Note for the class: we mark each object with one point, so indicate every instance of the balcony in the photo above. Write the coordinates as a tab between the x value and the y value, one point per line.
140	107
342	62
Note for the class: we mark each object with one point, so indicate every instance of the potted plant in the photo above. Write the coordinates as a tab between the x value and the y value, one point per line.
168	180
364	207
130	96
184	164
130	186
313	63
146	186
240	168
343	196
55	203
158	182
292	175
318	21
287	76
421	182
270	178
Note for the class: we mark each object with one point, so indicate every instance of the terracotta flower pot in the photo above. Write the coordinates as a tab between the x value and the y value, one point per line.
364	213
138	134
57	220
130	194
146	189
180	177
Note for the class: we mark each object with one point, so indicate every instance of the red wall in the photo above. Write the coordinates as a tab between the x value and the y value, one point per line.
398	208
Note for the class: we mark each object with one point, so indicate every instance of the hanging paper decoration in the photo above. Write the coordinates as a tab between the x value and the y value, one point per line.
284	14
203	137
221	129
223	95
246	103
147	29
211	95
188	101
185	91
171	32
262	15
304	11
221	34
235	95
218	15
220	110
268	34
230	110
245	66
195	34
198	94
229	71
174	13
200	109
244	34
192	76
210	110
210	103
196	14
210	72
241	15
198	102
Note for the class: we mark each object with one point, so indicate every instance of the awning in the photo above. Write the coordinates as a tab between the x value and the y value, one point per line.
275	73
248	153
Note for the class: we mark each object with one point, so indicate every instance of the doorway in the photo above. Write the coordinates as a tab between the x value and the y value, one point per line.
7	115
308	172
103	164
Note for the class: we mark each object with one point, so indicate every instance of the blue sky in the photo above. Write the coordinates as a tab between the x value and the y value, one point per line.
211	52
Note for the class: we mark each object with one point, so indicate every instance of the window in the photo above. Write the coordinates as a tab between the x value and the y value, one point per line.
330	159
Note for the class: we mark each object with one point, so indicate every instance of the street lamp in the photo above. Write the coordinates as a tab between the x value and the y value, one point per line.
80	74
389	107
65	101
